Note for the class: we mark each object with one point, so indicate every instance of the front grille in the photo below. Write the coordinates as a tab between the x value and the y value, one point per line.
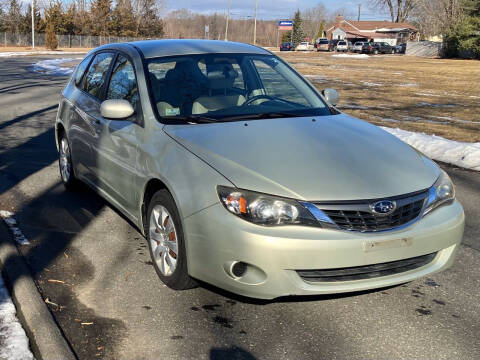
366	271
359	217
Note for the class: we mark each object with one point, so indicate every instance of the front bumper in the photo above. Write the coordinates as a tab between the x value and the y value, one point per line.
215	238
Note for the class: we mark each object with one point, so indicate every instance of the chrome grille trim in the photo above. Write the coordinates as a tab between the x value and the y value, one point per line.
358	215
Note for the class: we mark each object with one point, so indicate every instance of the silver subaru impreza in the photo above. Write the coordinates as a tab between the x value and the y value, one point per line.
241	174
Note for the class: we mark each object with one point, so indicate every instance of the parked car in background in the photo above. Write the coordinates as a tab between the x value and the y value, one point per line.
382	48
305	46
323	45
357	47
333	44
287	46
367	48
401	48
342	45
169	132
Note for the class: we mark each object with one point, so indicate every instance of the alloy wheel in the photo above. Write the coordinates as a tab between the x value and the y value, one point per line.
65	164
163	240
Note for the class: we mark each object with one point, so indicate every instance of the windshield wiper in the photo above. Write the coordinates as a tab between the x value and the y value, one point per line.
260	116
193	119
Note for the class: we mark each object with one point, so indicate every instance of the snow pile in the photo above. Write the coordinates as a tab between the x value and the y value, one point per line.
353	107
368	83
354	56
466	155
25	53
54	66
8	218
316	78
13	340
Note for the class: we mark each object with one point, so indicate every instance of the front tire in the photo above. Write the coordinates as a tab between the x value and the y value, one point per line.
65	164
166	242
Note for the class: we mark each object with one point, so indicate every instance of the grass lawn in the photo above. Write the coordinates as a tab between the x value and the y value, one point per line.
435	96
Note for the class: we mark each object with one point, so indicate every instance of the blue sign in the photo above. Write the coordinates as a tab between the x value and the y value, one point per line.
288	23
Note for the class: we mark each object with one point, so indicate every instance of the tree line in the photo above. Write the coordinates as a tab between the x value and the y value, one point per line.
457	21
133	18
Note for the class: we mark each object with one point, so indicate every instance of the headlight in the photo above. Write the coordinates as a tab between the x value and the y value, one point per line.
442	192
264	209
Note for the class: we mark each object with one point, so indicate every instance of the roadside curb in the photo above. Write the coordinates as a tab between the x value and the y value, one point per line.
46	340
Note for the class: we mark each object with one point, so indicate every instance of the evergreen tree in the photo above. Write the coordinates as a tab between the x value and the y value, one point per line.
123	19
298	32
54	15
51	39
14	17
320	30
463	38
39	23
149	23
101	11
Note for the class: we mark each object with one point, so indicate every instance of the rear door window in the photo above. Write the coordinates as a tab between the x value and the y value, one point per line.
97	72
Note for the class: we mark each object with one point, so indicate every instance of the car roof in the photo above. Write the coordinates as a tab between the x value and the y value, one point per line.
176	47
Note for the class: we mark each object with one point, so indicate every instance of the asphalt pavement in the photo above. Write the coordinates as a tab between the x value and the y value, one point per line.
94	268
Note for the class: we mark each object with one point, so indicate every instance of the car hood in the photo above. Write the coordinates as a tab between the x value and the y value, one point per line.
321	158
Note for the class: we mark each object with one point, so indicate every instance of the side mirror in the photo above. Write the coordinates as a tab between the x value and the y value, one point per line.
116	109
331	95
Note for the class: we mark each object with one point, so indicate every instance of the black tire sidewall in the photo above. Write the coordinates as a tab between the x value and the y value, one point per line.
72	182
179	279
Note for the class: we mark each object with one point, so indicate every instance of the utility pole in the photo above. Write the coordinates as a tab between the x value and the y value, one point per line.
226	25
33	25
255	25
359	6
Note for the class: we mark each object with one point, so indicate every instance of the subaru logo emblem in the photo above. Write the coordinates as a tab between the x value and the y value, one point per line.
383	207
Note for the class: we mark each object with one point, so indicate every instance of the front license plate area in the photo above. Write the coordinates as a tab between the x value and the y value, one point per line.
377	245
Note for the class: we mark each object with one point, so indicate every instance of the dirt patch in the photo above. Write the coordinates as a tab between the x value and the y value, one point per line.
90	335
435	96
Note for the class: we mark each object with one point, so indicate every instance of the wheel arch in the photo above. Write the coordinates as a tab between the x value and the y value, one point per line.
151	187
59	130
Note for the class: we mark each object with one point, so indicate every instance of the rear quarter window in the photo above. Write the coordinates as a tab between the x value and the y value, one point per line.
95	76
80	70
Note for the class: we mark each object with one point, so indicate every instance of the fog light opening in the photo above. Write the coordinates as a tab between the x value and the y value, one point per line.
238	269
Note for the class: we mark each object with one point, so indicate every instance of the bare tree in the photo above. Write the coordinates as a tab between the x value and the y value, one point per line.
314	20
435	17
400	10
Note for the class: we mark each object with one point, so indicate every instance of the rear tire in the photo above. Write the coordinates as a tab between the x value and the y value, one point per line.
166	242
65	164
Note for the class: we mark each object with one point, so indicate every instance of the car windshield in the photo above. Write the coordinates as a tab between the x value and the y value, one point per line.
323	42
342	43
229	87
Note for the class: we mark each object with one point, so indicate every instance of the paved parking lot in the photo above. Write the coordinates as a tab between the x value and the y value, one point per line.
109	303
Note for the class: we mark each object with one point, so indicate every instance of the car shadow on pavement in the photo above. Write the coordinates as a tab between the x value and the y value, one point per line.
288	299
231	353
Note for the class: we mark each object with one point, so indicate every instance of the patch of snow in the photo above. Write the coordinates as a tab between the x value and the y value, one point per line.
13	340
421	104
353	106
53	66
316	78
466	155
428	94
367	83
408	85
354	56
26	53
8	218
453	119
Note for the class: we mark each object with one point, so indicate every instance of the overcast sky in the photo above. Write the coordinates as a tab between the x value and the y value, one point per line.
274	9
